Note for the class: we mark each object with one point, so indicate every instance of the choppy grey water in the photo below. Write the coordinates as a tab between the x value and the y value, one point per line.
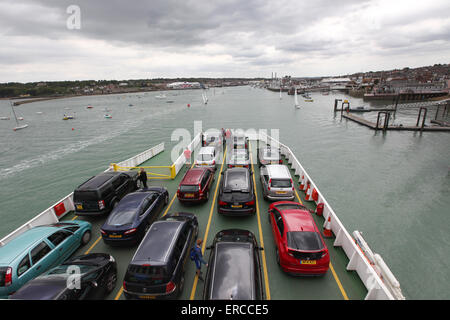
394	187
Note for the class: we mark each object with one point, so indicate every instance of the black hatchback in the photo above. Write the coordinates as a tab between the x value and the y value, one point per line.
236	194
157	268
234	267
86	277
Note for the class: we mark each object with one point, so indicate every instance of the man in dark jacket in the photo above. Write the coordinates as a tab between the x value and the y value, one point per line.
143	177
198	258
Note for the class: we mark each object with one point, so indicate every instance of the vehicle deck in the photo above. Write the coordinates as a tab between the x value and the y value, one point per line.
336	284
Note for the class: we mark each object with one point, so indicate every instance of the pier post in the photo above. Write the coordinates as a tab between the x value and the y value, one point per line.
424	116
336	104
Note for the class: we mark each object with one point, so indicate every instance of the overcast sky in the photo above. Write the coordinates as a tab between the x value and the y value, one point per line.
120	39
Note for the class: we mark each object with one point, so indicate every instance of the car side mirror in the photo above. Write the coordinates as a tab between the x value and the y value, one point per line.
209	248
260	248
93	284
221	173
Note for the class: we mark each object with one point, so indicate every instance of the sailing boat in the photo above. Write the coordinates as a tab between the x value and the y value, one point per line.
297	106
280	93
17	121
205	98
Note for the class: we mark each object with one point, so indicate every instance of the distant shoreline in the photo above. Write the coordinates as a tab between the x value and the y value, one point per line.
37	99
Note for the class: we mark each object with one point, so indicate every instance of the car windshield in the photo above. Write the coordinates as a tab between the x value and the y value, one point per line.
236	181
121	217
281	183
304	240
151	275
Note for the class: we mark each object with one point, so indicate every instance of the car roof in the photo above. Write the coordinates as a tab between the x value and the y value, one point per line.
134	199
298	220
278	171
98	180
233	276
41	288
157	243
193	176
14	248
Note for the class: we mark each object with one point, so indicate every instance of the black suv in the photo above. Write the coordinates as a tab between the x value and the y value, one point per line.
236	195
157	268
234	267
101	193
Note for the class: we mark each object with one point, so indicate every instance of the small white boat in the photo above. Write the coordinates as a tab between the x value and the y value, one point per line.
4	118
39	112
18	127
297	106
205	98
108	116
161	96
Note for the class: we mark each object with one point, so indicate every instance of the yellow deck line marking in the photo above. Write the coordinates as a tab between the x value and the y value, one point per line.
261	240
194	285
119	293
74	218
336	278
344	294
93	245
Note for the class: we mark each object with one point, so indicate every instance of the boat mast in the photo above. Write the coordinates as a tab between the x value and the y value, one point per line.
15	117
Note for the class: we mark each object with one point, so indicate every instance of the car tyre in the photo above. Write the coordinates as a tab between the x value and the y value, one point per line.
111	282
86	237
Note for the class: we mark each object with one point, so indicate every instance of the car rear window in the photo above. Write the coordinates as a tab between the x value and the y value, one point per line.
85	196
281	183
290	206
205	157
236	181
188	188
150	275
304	240
120	218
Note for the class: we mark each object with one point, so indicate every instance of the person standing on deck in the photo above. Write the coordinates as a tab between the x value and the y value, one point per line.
198	258
143	177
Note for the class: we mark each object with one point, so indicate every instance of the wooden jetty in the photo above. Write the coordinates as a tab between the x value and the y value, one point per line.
386	126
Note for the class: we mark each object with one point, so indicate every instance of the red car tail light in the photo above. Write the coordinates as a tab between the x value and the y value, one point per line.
170	287
222	203
250	203
8	277
101	204
130	231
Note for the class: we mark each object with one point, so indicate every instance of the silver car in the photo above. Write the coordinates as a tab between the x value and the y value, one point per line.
207	157
277	183
269	155
238	158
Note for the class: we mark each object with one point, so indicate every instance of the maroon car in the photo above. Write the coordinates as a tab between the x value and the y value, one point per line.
195	185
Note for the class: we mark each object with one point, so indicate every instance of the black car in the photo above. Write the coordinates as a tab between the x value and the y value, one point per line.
102	192
234	267
91	276
130	219
236	194
157	268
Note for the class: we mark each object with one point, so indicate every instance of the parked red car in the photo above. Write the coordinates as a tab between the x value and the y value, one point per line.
300	248
195	185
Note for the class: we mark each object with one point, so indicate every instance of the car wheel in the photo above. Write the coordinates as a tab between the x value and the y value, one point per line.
111	282
86	237
207	196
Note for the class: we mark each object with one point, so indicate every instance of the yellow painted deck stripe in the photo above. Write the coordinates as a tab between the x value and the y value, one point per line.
194	285
93	245
261	240
336	278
